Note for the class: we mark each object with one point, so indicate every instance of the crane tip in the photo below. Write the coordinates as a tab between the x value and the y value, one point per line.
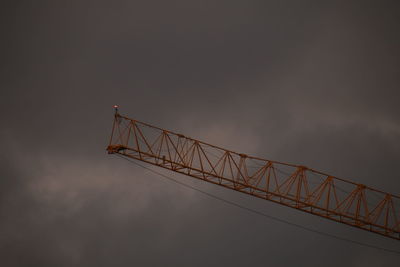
116	109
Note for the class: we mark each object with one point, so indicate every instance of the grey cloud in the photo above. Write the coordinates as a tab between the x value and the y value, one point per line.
305	82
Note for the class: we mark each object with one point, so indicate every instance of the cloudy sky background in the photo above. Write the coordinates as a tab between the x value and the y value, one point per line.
307	82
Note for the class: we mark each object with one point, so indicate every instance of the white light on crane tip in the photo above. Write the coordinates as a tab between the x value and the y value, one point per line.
115	106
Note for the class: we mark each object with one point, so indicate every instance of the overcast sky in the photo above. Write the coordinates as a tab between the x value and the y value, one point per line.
306	82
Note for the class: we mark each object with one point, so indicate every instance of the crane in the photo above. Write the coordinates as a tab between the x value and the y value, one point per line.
291	185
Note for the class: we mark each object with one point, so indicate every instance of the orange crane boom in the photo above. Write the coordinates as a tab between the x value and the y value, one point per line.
291	185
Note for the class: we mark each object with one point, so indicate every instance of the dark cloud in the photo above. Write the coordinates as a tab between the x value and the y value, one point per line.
304	82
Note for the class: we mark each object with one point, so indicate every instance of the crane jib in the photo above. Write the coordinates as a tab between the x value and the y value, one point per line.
291	185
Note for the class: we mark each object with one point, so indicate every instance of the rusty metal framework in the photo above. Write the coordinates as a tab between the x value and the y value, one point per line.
291	185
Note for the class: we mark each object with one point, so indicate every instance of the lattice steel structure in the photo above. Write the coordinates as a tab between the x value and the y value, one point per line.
291	185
